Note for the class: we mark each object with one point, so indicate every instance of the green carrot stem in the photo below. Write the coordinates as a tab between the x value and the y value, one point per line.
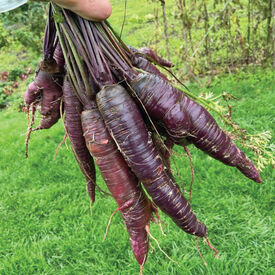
114	62
125	47
113	40
109	47
65	51
91	52
76	36
78	61
76	74
75	29
105	73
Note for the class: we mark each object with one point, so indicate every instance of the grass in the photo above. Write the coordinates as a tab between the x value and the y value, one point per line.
46	225
47	228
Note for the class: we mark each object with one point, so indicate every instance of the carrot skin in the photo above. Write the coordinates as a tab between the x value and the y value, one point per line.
32	94
185	119
120	181
151	56
73	109
127	127
139	60
51	86
145	65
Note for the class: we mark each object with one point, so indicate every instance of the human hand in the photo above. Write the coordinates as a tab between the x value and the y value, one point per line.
96	10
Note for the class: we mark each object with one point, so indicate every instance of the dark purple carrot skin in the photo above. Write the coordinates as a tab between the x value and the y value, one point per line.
127	127
150	55
73	109
185	119
51	86
49	77
119	179
164	107
142	63
32	95
145	65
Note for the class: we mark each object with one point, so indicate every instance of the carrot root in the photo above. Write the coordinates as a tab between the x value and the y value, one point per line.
151	236
30	130
155	209
60	144
192	171
204	261
124	206
213	248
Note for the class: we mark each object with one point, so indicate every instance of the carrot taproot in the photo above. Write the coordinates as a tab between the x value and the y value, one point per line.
73	109
140	60
185	119
126	125
46	89
152	56
32	95
51	86
135	208
49	77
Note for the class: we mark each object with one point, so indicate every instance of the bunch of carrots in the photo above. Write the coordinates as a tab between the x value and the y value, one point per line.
124	114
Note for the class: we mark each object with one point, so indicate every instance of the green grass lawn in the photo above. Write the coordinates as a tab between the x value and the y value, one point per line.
46	226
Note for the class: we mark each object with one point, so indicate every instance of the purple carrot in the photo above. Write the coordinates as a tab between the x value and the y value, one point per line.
49	77
170	109
49	80
73	109
45	89
53	61
127	127
183	118
135	208
32	95
145	65
151	56
51	87
140	61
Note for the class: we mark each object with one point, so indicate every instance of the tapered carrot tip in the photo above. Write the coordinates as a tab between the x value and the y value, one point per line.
255	174
140	250
259	179
141	270
251	173
91	190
